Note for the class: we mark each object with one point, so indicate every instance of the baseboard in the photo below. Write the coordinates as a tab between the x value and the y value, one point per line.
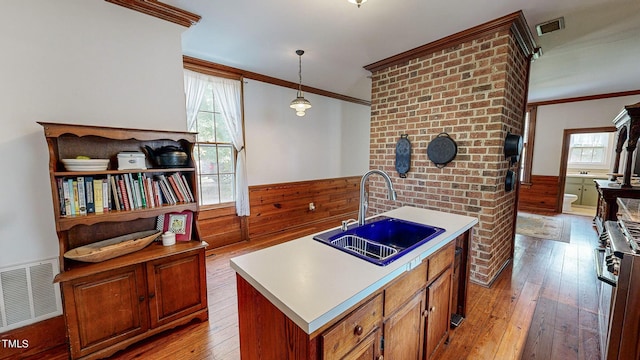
493	280
32	339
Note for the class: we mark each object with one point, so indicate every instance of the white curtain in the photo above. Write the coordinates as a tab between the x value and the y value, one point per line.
194	86
227	95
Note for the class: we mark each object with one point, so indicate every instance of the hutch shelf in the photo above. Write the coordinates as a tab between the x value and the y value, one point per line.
112	304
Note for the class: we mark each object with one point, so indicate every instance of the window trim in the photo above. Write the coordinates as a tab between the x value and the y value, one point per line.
529	145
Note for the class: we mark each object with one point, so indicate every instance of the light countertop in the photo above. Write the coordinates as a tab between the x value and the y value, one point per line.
312	283
589	176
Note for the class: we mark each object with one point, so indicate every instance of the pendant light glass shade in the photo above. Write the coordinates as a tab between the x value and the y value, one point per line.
358	2
300	104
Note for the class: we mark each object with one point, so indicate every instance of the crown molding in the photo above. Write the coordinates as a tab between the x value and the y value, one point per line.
514	22
584	98
160	10
214	69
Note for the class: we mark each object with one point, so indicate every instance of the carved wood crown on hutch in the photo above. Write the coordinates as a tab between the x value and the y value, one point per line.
628	123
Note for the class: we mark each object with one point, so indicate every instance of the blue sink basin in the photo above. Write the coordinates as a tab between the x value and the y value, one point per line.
381	240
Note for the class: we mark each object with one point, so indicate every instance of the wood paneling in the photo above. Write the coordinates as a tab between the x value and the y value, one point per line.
40	337
541	195
219	227
283	207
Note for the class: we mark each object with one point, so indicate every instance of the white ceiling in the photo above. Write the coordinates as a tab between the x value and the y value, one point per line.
597	53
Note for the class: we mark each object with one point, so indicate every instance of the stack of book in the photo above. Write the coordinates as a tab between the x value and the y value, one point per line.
84	195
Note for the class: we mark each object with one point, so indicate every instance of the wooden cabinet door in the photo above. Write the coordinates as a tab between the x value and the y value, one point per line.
403	331
368	349
105	308
176	286
438	312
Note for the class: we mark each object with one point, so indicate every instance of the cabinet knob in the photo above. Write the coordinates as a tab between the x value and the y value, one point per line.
433	308
380	357
141	298
152	295
425	313
358	330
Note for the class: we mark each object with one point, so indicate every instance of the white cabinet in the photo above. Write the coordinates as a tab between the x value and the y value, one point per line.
584	188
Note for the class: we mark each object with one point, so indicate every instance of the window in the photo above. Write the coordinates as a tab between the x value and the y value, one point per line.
589	150
214	153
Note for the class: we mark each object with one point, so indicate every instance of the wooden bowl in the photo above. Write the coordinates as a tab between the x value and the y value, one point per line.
114	247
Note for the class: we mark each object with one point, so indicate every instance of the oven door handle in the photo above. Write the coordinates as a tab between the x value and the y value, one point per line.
598	262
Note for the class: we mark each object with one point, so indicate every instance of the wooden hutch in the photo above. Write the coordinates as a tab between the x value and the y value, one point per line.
111	304
628	125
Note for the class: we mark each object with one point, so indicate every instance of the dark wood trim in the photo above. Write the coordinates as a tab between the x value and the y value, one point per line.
566	141
529	147
41	336
585	98
211	68
515	22
160	10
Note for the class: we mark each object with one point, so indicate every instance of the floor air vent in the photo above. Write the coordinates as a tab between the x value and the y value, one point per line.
28	294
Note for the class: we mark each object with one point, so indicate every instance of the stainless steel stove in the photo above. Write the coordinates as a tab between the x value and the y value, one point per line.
618	267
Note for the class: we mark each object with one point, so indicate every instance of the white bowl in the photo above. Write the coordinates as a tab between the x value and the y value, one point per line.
85	164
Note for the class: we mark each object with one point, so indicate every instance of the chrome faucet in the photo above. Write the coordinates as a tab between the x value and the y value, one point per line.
364	203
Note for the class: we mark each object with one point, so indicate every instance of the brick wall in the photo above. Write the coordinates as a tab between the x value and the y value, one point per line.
475	91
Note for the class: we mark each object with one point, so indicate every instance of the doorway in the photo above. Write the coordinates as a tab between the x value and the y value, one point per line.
587	155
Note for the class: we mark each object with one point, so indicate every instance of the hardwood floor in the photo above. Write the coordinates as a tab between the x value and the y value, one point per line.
543	306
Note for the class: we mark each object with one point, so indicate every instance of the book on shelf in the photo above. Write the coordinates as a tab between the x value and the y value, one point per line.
106	192
97	196
82	197
115	193
89	194
73	196
175	188
140	189
186	183
67	197
59	182
122	192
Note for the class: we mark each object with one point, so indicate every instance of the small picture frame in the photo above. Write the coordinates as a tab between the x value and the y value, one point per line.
178	223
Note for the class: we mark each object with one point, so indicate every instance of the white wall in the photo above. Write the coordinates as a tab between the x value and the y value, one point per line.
75	61
331	140
92	62
552	120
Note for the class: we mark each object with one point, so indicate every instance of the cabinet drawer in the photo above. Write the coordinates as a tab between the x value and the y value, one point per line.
346	334
441	260
403	288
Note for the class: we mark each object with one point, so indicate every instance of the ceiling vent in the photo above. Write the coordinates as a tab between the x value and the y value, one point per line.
550	26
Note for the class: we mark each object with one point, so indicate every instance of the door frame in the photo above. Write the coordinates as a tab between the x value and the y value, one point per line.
564	157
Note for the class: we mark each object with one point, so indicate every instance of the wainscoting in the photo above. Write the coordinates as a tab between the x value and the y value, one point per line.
283	207
280	208
541	195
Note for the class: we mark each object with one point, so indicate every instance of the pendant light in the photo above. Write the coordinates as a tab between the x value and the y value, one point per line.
300	104
358	2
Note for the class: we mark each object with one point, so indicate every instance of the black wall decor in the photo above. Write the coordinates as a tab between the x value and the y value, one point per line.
403	155
442	150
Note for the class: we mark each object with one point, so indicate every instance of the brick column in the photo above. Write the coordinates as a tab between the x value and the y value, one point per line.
474	89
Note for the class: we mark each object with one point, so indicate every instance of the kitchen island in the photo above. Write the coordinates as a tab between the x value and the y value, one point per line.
296	297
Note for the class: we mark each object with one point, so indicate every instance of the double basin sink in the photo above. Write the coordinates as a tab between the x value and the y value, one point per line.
380	240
